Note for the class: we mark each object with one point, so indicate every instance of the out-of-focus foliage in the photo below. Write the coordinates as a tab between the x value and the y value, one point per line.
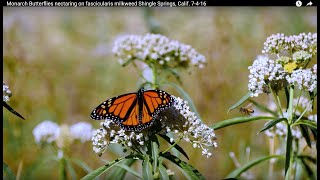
59	66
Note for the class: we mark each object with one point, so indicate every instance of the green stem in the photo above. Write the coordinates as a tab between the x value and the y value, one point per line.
170	147
296	107
277	100
290	108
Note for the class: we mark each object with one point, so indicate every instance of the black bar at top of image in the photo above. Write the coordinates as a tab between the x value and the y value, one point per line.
196	3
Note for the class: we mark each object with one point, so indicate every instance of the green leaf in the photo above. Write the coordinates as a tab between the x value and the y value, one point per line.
186	97
309	123
309	158
81	164
245	167
155	155
288	148
12	110
71	169
312	96
314	132
147	169
175	74
62	169
163	172
263	108
305	134
271	124
96	173
238	120
241	101
307	168
189	170
287	97
7	172
121	169
177	147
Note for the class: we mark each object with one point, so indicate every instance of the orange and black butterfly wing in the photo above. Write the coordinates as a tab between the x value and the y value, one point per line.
118	109
132	122
154	101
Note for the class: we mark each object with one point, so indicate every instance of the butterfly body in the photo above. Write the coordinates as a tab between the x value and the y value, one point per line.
133	111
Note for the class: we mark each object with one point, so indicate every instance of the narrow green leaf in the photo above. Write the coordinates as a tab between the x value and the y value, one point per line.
12	110
312	96
309	123
271	124
287	97
121	170
81	164
236	173
177	147
307	168
288	148
7	172
241	101
305	134
71	169
175	74
189	170
163	172
155	153
263	108
147	169
314	132
96	173
309	158
238	120
62	169
186	97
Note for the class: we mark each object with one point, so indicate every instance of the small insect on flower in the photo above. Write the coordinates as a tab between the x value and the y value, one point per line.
133	111
247	110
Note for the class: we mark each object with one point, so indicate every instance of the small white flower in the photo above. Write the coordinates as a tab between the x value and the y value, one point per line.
263	69
304	79
47	131
6	93
168	52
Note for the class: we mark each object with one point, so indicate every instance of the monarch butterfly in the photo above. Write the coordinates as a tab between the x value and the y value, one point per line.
133	111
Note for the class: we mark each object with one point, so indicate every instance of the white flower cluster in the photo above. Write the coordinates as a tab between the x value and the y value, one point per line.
304	79
48	131
281	130
111	134
6	93
263	70
278	43
190	127
156	48
178	120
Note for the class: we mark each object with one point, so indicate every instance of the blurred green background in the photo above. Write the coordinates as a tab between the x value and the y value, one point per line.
59	66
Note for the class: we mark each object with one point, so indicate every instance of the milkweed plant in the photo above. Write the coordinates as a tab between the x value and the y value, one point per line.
285	72
59	139
157	57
